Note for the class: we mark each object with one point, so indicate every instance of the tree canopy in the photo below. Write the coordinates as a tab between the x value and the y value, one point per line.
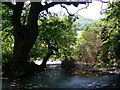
104	34
27	29
56	37
22	21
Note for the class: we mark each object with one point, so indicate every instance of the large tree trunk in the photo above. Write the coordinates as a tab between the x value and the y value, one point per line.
22	47
24	37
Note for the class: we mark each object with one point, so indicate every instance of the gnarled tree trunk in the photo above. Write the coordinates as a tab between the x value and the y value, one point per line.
24	36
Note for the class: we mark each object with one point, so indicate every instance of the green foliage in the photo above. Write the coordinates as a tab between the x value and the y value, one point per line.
57	33
110	34
107	33
60	32
7	31
88	45
25	13
110	46
98	43
7	35
113	11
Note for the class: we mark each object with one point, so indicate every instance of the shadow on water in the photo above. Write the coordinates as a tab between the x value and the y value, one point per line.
55	77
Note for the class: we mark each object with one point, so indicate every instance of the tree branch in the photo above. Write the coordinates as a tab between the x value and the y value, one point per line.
83	8
15	18
45	7
103	10
104	1
67	3
67	10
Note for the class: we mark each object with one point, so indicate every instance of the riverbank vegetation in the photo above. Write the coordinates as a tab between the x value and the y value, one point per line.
98	45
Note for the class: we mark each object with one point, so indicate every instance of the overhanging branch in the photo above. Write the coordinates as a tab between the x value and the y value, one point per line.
104	1
83	7
48	5
67	10
103	10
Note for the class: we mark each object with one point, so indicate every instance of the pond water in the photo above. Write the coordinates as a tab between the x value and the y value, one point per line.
55	77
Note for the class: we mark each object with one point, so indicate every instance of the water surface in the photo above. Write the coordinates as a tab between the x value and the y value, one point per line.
55	77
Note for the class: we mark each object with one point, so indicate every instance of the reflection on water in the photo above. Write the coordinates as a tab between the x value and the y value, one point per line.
54	77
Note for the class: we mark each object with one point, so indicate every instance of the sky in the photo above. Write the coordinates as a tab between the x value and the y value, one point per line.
93	10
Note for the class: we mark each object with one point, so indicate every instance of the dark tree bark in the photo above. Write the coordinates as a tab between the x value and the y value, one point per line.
25	35
45	59
47	56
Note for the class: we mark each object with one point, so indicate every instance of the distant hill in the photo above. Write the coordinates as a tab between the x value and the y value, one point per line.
84	21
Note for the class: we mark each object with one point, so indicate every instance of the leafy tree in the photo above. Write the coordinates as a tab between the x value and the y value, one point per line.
25	35
56	37
110	34
88	45
7	36
108	30
113	15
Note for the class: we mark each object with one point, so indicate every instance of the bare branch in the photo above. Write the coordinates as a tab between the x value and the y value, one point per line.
83	7
104	1
103	10
67	10
45	7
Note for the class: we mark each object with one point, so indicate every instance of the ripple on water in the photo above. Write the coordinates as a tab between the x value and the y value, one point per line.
56	78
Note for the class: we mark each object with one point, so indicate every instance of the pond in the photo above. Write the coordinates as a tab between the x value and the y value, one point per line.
55	77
